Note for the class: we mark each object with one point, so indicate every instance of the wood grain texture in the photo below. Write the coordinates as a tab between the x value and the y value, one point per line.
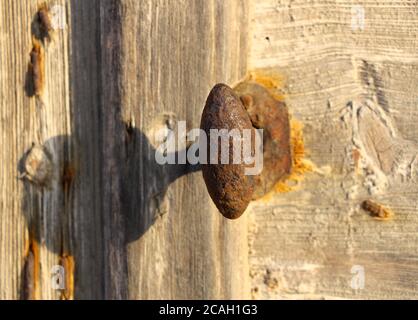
125	227
121	225
354	92
179	246
32	216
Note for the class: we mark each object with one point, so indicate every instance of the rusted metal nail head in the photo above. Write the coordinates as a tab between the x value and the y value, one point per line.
230	189
248	106
271	115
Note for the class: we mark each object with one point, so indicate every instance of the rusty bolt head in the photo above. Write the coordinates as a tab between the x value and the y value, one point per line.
228	186
272	116
249	106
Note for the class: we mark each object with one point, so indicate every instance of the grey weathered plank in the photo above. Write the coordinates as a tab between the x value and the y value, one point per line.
354	92
122	226
130	228
34	219
173	53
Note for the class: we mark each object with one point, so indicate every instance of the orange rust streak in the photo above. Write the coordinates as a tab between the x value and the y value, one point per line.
377	210
273	81
300	164
67	261
37	67
68	175
32	274
356	158
36	271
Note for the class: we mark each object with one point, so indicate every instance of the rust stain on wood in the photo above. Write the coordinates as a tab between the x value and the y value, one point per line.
36	70
274	82
68	263
356	159
377	210
301	165
68	176
44	21
30	271
271	80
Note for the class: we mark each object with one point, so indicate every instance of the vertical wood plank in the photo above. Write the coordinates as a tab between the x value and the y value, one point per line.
353	89
173	53
121	225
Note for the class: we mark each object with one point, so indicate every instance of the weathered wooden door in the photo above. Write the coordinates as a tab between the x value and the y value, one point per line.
115	224
121	225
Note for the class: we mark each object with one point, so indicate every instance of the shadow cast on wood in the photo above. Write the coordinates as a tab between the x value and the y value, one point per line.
50	178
